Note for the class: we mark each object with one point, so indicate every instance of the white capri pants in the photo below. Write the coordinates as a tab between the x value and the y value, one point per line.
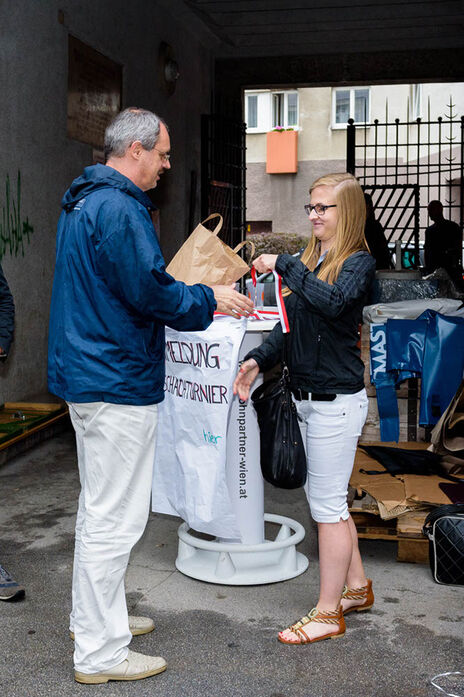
115	453
332	432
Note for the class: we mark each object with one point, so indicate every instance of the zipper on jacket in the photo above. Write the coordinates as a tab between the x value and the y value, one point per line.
318	351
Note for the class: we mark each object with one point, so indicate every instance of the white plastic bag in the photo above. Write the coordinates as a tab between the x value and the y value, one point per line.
189	475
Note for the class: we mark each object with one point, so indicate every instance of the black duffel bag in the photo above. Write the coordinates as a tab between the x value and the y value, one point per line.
444	527
282	453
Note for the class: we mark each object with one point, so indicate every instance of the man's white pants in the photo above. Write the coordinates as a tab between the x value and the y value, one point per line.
115	451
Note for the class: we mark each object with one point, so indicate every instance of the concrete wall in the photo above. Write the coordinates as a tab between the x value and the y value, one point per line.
33	88
281	197
317	140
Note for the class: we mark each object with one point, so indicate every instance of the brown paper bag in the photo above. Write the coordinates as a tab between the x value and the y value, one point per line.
204	258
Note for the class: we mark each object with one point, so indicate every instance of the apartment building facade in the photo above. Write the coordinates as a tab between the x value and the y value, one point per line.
318	118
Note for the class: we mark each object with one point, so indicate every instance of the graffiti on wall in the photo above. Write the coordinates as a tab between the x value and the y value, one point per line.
14	231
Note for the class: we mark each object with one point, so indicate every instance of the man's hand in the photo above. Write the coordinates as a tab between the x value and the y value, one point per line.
230	302
265	262
245	378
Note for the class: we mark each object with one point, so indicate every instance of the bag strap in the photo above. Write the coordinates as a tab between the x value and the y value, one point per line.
285	378
440	512
242	244
218	226
284	323
285	351
280	303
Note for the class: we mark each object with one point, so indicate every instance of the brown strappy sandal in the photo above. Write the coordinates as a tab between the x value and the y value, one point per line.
322	616
364	595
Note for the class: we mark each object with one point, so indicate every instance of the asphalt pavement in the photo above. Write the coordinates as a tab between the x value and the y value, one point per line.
219	641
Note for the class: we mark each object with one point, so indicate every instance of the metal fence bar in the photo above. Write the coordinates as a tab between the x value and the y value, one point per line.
351	147
461	191
427	157
416	221
387	206
439	156
428	147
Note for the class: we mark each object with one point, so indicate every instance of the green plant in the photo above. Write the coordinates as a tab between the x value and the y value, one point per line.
278	242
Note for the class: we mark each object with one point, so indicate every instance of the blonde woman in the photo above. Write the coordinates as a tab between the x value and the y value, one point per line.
326	290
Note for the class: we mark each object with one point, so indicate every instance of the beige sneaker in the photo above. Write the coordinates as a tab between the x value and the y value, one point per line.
135	667
137	626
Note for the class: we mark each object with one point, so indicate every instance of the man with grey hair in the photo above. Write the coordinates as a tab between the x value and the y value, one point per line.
111	301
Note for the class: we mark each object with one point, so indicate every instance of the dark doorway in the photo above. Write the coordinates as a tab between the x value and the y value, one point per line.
223	174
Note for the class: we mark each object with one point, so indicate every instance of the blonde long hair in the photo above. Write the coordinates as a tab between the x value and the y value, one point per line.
349	233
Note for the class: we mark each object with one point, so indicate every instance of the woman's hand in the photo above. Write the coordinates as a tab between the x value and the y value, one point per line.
246	377
230	302
265	262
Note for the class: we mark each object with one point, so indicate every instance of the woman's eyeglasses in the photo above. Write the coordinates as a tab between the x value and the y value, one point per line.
319	208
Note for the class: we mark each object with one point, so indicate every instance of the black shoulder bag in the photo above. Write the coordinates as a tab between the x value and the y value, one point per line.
444	527
282	453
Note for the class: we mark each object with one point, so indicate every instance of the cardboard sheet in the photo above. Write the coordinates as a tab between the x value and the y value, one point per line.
424	490
398	495
386	490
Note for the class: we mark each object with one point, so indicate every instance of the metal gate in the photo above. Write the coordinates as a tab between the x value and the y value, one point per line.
223	174
404	165
397	209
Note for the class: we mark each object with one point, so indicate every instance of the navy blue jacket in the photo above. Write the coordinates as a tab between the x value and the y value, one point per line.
7	313
322	355
112	296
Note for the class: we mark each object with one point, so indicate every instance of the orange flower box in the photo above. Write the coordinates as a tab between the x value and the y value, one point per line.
282	152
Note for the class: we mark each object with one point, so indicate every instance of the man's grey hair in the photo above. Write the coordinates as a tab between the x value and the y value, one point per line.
128	126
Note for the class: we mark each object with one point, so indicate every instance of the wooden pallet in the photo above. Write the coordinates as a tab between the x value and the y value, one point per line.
405	530
42	420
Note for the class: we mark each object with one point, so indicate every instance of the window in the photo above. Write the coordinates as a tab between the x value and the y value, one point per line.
350	103
278	113
342	106
361	106
252	119
292	109
265	110
258	111
285	109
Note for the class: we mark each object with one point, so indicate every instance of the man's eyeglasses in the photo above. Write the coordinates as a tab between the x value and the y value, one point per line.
319	208
166	156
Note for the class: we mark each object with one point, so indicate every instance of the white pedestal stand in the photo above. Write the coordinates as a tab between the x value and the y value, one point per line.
253	559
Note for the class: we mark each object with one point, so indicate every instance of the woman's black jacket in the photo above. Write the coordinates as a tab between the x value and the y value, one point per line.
322	354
